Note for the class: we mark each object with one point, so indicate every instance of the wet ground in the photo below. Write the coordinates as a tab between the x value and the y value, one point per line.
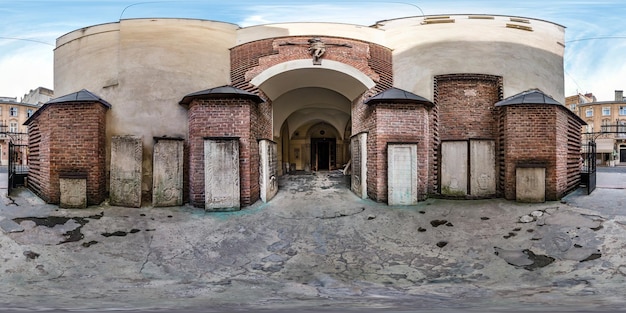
318	247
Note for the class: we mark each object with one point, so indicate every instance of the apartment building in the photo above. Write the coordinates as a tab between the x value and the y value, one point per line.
606	124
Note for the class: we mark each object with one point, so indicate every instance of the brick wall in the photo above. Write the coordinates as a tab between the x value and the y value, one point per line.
68	137
531	138
399	123
250	59
464	109
39	157
225	118
568	151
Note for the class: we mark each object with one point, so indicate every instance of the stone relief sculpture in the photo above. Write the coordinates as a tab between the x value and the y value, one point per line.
317	48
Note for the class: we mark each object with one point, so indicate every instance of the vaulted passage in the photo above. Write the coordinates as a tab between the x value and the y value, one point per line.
312	112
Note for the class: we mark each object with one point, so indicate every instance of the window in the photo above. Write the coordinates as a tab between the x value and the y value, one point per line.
13	111
572	107
13	127
589	112
622	110
606	111
605	125
29	112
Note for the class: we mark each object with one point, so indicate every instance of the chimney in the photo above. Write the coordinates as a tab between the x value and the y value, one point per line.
619	95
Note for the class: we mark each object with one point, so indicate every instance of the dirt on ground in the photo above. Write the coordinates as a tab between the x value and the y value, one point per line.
315	245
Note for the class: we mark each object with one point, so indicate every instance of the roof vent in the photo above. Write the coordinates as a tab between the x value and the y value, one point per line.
437	20
520	27
480	17
520	20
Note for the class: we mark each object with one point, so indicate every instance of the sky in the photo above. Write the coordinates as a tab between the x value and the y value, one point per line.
595	35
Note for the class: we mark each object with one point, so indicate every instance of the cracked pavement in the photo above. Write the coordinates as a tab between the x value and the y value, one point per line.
315	245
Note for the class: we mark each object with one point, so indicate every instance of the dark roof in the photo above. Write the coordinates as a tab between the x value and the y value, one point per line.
532	96
79	96
536	96
397	95
220	92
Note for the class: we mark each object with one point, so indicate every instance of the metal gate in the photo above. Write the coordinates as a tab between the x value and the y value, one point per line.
10	169
17	168
588	171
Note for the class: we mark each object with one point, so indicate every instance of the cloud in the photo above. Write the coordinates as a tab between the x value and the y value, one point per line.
27	68
360	14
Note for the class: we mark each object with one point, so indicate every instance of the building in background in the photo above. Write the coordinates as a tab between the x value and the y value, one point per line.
38	96
606	124
13	114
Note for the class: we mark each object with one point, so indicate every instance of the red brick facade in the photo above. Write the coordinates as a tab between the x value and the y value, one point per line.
225	118
398	123
542	136
464	109
67	138
250	59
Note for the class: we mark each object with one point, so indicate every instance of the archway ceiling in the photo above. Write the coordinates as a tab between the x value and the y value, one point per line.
309	116
302	104
321	77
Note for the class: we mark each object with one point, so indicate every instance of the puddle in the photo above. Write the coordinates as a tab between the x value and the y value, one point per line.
89	244
593	256
511	234
120	233
437	223
52	221
525	259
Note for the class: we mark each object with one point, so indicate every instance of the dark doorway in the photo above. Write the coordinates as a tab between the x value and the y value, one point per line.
622	155
322	153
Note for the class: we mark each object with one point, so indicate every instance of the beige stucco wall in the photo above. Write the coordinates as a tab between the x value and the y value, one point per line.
359	32
144	67
526	59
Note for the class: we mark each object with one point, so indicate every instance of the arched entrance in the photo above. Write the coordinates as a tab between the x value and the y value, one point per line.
312	110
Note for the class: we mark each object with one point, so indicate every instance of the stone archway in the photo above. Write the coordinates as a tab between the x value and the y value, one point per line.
308	100
302	91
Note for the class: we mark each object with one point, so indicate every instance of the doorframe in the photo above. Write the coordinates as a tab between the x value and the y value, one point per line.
315	150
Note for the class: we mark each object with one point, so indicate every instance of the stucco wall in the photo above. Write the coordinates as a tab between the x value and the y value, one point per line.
144	67
526	58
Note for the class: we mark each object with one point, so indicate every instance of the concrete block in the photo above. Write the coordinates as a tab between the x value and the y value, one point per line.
359	165
482	167
73	188
402	174
167	172
221	174
126	159
530	184
454	169
268	169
